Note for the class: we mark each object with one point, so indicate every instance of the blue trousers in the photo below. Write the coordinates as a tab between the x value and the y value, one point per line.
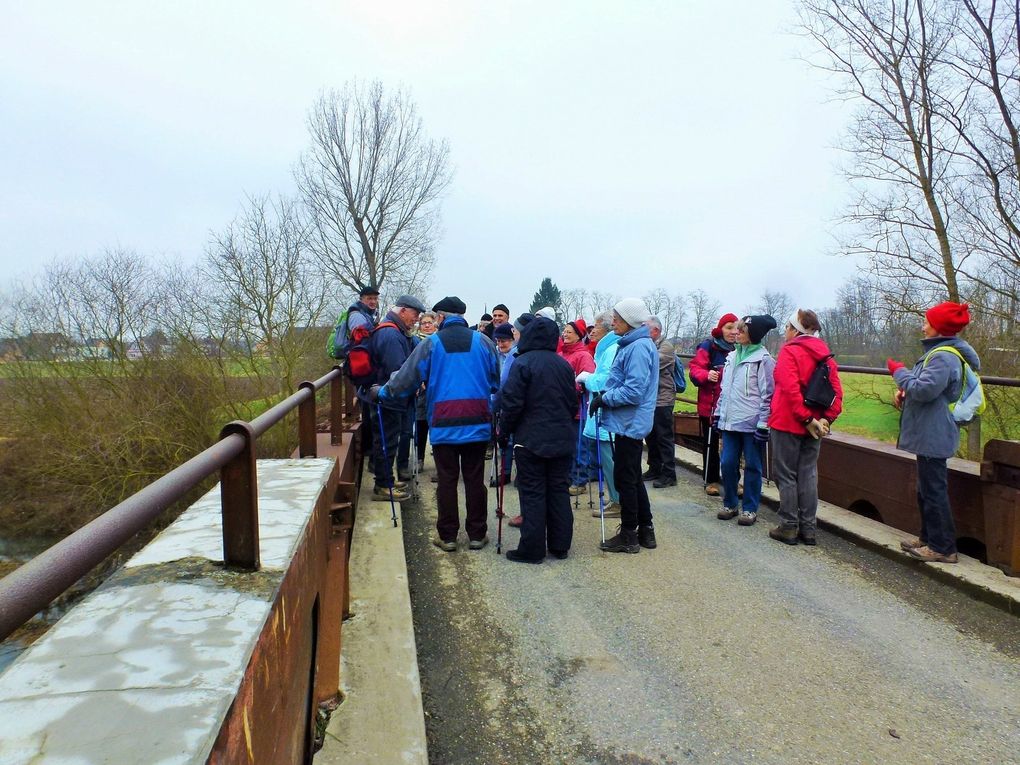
735	444
937	528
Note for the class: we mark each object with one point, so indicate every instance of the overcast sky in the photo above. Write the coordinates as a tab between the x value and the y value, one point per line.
614	146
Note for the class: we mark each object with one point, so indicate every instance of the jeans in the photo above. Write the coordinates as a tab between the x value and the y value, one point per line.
545	504
661	450
795	467
735	444
937	528
453	460
634	508
382	463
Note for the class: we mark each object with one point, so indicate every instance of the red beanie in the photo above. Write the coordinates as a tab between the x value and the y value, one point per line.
725	319
948	318
579	327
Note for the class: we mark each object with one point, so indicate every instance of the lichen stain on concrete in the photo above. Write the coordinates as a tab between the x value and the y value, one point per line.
262	584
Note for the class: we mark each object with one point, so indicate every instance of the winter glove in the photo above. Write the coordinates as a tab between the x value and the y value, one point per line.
816	429
761	435
581	377
373	393
892	365
595	405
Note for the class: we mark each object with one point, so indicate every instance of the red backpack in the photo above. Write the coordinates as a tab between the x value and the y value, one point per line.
360	367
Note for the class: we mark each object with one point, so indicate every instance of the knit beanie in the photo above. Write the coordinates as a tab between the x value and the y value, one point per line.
759	326
948	318
633	311
726	318
523	320
548	312
504	331
579	327
501	307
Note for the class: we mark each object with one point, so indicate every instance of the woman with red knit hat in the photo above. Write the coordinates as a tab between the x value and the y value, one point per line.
706	370
580	360
927	427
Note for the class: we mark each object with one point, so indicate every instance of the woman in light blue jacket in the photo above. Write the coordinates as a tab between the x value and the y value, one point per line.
605	353
743	415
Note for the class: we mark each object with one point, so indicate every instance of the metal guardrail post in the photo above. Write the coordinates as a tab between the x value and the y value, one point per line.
239	497
336	408
306	422
974	439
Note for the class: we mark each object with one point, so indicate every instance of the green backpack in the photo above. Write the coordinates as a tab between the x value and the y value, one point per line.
972	395
335	346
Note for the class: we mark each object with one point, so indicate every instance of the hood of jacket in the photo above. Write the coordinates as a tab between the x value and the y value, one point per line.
635	335
541	334
962	346
814	347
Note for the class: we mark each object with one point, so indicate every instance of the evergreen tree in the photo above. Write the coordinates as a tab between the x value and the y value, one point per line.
548	294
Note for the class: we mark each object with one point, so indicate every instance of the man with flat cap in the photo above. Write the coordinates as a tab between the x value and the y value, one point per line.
391	345
361	316
460	370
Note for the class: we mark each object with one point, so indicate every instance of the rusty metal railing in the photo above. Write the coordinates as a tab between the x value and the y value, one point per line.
33	586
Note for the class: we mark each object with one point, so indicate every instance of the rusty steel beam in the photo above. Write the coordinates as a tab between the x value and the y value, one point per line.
239	500
30	588
306	421
336	406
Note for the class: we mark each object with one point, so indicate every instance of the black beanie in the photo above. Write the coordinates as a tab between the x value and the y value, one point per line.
758	326
450	304
501	307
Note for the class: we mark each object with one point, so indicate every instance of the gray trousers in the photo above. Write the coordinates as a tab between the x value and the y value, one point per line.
795	471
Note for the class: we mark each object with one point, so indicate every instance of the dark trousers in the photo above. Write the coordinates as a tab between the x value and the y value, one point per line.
382	464
452	461
545	503
422	437
406	430
937	528
795	463
661	451
634	508
367	415
711	453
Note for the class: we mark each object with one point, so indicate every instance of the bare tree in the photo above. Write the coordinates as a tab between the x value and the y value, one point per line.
573	303
889	56
371	182
671	310
705	312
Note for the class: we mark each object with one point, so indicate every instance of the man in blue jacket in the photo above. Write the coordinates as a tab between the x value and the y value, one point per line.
461	372
391	345
628	407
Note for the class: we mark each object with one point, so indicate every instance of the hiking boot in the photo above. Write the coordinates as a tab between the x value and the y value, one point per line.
404	475
478	544
928	555
625	541
727	514
576	491
662	483
515	555
713	490
517	521
649	475
747	519
444	545
559	554
612	510
911	544
785	534
646	537
807	537
383	494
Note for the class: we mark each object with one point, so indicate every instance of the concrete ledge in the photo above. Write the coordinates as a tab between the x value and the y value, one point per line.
970	575
381	719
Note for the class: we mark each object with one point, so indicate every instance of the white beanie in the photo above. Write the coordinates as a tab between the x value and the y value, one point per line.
548	312
632	311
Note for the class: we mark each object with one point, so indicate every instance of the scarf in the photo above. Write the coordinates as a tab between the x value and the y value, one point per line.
743	351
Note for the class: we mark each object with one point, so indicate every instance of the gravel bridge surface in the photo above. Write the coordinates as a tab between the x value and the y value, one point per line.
720	646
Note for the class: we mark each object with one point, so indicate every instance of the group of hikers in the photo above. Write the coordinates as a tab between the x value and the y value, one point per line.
575	404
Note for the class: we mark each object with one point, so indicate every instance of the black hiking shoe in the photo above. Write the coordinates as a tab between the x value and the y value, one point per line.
807	536
662	483
514	555
559	554
649	475
625	541
646	537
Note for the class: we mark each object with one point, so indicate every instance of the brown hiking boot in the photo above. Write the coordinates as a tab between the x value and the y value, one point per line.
727	513
444	545
928	555
612	511
911	544
785	534
713	490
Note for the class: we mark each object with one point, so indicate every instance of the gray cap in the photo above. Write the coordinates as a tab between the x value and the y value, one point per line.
409	301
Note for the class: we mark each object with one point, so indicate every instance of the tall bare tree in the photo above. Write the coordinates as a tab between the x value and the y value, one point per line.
371	182
705	312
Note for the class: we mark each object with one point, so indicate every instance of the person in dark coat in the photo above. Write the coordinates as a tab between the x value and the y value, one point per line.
537	407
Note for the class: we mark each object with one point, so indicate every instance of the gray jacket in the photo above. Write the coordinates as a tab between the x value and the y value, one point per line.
927	426
746	392
666	395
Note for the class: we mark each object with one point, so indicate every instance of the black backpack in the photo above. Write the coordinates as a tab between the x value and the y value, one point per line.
819	393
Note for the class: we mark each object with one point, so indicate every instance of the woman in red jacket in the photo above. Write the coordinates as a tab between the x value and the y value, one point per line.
580	360
706	370
797	429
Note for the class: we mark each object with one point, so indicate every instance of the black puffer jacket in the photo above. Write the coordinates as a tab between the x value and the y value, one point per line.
539	398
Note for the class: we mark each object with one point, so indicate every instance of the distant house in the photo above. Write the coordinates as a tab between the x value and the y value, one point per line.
10	349
94	348
45	346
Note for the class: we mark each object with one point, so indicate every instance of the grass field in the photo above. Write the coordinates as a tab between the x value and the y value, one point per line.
868	411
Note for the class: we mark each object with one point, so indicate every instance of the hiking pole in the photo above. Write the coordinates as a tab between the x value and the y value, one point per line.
499	502
577	452
598	462
708	449
587	478
386	459
414	456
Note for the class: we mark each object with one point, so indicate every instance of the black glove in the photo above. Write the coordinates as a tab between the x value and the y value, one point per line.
373	393
595	405
761	435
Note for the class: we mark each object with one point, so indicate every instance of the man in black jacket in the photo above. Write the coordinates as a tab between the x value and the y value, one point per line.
537	407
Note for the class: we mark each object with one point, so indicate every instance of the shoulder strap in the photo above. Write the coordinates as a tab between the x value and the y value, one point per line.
384	324
947	349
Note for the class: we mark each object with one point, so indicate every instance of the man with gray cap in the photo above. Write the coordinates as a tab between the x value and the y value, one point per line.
627	404
460	370
390	346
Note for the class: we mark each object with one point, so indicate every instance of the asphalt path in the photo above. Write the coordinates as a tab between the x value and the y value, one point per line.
720	646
